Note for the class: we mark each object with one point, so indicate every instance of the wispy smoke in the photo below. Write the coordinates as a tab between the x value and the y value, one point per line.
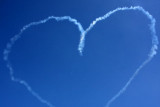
81	45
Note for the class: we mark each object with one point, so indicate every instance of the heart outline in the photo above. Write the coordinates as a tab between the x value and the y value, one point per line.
81	45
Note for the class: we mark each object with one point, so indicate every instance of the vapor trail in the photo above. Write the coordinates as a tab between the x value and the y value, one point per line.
12	41
149	16
83	33
153	50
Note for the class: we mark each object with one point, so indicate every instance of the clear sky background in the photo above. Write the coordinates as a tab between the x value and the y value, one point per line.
47	56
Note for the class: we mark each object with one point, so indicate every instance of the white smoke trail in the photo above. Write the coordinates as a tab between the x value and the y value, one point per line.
16	37
149	16
83	33
153	50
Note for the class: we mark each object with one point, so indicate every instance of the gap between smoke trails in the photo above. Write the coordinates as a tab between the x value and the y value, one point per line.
83	33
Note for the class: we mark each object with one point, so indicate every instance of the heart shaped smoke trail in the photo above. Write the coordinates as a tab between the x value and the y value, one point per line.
83	33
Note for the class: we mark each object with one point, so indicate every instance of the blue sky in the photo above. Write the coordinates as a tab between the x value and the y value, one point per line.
47	56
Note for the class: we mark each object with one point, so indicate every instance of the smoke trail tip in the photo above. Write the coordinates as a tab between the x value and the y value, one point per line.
80	51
